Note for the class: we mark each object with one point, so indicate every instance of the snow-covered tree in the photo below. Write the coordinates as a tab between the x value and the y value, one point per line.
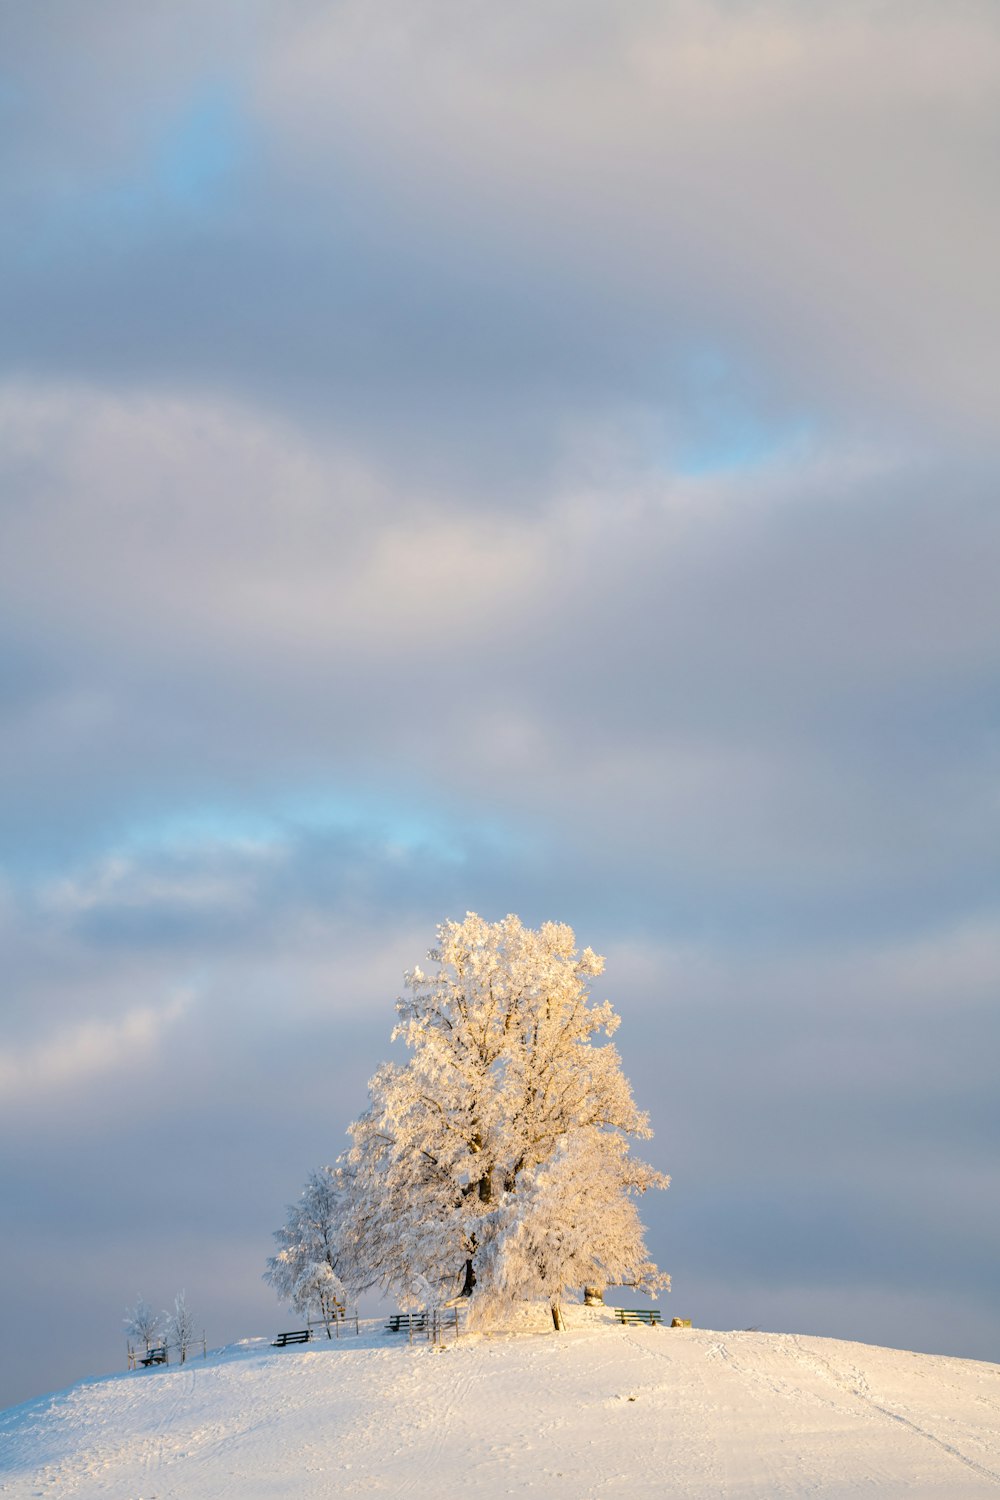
571	1223
495	1164
180	1326
142	1323
303	1272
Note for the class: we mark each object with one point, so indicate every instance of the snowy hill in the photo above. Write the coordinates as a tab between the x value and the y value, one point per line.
600	1411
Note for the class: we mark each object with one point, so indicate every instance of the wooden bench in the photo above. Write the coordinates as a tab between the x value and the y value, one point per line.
300	1336
157	1356
650	1315
403	1322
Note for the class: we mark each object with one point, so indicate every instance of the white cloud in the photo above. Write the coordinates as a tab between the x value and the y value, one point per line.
87	1050
188	518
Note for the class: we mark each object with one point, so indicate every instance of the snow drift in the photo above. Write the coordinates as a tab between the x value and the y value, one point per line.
599	1411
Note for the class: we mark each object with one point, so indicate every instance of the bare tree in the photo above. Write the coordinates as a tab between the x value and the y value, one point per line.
142	1323
180	1326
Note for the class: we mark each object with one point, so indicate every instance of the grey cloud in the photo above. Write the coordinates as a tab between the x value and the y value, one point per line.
571	447
495	261
657	153
769	686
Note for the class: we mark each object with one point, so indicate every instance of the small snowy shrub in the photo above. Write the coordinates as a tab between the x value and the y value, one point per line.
302	1272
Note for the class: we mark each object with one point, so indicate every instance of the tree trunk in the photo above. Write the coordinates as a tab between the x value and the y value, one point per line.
557	1317
470	1279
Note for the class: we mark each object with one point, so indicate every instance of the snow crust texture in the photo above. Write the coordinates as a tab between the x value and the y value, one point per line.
600	1411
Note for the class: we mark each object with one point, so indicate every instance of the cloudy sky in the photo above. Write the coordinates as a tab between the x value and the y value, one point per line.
537	457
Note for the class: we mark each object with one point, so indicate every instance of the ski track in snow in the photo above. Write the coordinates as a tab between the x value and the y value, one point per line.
849	1392
599	1413
857	1385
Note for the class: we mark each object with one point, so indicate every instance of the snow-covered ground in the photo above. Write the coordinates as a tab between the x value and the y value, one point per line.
600	1411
